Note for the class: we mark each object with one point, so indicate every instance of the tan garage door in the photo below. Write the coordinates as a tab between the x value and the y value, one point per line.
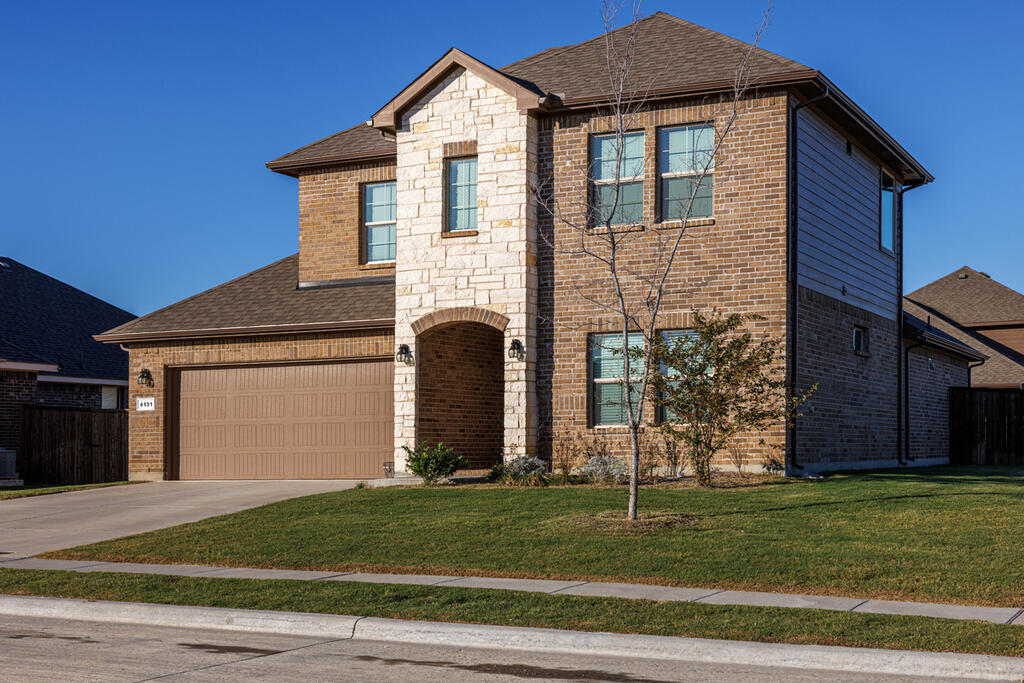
317	421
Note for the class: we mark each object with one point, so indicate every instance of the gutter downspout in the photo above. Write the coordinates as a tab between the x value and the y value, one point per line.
971	367
791	249
903	367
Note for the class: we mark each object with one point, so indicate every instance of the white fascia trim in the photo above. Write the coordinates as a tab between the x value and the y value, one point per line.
61	379
28	367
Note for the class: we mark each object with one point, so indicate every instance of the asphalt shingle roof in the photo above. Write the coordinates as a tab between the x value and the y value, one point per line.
969	297
44	320
265	298
671	53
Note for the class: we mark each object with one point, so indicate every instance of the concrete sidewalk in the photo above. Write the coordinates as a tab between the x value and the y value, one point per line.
997	615
533	644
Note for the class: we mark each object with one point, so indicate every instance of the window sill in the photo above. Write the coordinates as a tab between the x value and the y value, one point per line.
377	265
690	223
448	234
862	354
625	227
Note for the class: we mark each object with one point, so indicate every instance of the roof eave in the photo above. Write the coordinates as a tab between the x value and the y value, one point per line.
115	337
292	168
28	366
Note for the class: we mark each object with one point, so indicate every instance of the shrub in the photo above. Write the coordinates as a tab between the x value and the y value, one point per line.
433	462
604	469
525	471
566	450
497	473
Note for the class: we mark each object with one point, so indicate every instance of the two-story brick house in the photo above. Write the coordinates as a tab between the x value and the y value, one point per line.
422	306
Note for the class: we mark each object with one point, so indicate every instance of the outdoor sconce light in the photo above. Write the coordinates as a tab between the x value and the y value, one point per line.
403	355
516	350
146	377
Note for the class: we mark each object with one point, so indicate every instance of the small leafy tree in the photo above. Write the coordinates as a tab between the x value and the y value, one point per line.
433	462
715	383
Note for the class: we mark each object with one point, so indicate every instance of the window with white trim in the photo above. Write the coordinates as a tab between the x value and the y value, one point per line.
670	337
684	153
379	222
617	178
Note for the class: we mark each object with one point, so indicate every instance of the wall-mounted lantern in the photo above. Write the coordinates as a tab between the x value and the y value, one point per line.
516	351
146	377
403	355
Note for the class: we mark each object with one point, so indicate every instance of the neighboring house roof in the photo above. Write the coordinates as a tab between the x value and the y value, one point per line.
50	322
267	301
922	331
673	57
971	299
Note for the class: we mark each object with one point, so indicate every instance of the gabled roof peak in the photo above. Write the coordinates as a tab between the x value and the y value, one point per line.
527	96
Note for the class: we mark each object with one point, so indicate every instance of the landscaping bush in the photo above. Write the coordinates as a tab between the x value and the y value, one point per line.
525	471
433	462
497	472
604	469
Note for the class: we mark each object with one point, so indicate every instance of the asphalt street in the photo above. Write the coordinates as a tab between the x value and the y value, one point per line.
37	649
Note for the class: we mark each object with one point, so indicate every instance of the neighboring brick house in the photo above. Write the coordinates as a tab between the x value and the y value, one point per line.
47	352
423	306
975	309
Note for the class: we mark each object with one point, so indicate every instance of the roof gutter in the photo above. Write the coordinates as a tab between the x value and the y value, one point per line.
28	367
252	331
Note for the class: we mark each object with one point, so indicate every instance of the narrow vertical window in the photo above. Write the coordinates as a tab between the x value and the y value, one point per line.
670	338
860	340
617	179
684	154
461	194
887	210
607	398
379	222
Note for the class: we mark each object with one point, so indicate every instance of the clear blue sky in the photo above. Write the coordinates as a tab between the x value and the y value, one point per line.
134	134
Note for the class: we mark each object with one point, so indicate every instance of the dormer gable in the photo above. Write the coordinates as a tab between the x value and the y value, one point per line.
528	98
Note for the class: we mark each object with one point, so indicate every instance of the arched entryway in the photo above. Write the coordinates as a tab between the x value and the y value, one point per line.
460	390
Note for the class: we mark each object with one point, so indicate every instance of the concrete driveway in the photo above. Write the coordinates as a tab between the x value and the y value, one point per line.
29	526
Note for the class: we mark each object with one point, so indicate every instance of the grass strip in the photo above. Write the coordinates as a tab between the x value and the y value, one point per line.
512	608
944	534
43	490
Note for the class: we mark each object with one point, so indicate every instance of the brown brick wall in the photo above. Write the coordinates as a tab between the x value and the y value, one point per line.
16	389
852	417
735	263
70	395
929	384
460	390
146	429
330	235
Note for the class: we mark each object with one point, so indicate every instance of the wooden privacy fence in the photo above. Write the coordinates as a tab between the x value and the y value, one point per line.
65	446
986	426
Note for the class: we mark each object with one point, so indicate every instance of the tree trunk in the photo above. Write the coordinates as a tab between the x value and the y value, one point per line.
634	472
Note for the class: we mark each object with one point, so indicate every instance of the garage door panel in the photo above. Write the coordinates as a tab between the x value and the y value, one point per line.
298	421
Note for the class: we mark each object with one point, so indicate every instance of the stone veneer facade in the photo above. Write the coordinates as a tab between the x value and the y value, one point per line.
492	268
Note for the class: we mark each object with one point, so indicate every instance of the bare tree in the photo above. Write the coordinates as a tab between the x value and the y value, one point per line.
600	222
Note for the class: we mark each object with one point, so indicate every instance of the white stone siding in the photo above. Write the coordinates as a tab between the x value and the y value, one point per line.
496	269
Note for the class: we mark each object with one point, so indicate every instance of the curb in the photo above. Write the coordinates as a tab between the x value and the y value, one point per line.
822	657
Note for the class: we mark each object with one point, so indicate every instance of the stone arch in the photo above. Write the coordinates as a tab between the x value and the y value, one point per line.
469	314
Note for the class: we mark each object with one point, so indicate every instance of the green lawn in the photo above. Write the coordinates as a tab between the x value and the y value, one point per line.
43	489
512	608
942	534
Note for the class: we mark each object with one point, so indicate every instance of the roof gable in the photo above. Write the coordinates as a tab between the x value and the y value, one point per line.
527	97
971	298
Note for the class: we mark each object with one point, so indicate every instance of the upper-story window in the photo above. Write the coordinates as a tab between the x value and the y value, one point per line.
617	178
684	154
887	218
461	206
379	221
